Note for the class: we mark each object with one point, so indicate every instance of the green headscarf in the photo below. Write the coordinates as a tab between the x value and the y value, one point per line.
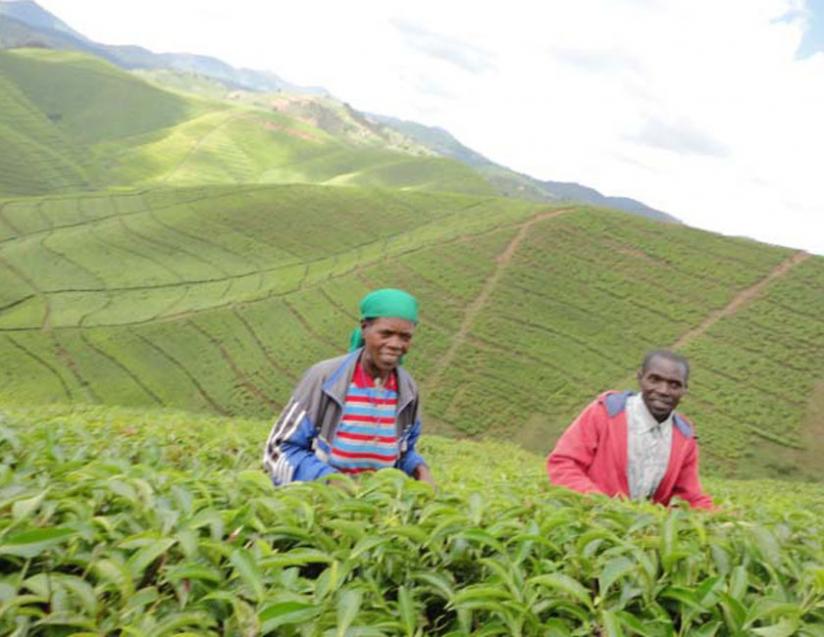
385	303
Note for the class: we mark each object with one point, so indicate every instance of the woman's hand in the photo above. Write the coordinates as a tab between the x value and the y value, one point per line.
423	474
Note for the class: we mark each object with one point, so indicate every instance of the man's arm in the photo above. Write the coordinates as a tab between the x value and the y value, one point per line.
572	456
288	455
688	484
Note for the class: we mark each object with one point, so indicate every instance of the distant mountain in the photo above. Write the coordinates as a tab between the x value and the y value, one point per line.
434	138
577	192
24	23
33	15
509	182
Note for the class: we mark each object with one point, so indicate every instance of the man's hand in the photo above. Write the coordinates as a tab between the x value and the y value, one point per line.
423	474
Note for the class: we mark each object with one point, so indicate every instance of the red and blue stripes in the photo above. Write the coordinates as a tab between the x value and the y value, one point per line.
366	438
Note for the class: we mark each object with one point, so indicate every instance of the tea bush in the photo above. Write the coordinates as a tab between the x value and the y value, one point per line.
123	522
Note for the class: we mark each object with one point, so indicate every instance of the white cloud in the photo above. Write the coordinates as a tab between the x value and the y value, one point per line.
697	108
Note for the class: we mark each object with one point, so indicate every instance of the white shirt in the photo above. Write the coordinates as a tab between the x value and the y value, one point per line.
649	444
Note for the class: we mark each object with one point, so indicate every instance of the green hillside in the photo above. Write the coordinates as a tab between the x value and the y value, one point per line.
76	122
89	99
219	247
216	298
134	522
36	156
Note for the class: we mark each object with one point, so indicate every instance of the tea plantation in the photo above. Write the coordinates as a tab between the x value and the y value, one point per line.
171	263
165	249
135	522
216	298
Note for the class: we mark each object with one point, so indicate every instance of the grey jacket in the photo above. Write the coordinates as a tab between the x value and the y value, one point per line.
299	444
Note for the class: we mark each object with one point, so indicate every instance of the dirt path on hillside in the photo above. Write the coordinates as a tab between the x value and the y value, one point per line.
741	300
197	144
501	263
64	356
240	375
812	430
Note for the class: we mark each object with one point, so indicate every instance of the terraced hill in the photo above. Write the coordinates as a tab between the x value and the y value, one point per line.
216	298
185	276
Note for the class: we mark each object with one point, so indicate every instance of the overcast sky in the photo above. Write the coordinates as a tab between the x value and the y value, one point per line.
711	111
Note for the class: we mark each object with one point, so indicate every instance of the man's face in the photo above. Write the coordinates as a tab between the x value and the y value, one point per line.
386	340
663	384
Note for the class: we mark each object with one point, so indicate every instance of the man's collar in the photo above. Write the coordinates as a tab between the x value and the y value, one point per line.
649	421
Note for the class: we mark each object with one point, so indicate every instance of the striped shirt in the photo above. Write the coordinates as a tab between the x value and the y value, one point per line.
366	437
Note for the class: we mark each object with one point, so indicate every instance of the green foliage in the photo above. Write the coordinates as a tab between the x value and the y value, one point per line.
151	523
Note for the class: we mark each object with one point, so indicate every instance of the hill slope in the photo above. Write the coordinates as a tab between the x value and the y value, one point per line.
90	125
216	299
36	155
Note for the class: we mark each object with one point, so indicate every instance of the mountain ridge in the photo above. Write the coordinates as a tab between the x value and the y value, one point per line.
511	182
48	30
121	130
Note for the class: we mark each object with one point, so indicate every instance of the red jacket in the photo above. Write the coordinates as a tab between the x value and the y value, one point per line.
591	455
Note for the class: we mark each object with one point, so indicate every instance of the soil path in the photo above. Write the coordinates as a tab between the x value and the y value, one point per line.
199	142
501	263
741	300
240	375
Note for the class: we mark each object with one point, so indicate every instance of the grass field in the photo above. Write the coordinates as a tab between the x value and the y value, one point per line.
161	523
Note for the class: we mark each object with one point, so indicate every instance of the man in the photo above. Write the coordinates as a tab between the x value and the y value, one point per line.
358	412
634	445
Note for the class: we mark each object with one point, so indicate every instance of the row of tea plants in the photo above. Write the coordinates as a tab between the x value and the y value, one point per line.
122	522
